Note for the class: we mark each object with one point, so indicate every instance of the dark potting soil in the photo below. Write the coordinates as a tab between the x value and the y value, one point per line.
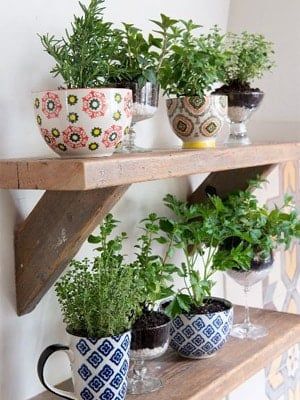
210	306
150	330
241	94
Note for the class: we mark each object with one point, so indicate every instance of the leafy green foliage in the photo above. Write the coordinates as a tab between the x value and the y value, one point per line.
95	54
249	57
85	56
224	234
100	297
194	63
153	270
140	58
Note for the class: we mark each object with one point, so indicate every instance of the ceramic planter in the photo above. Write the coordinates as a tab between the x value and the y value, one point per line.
201	336
197	121
99	367
83	122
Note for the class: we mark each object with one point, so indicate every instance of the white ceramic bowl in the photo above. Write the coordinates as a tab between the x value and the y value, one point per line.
83	122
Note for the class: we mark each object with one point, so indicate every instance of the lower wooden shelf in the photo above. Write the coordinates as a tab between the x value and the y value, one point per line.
214	378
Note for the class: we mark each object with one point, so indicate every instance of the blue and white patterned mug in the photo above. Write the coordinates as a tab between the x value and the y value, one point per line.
99	367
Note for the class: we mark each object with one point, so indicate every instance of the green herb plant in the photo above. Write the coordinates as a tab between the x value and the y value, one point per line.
250	55
154	272
140	58
195	62
85	55
223	234
101	297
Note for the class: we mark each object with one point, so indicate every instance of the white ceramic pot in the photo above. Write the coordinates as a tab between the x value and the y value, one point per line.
99	367
197	121
83	122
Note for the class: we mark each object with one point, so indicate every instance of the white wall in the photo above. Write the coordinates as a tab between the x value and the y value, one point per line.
279	22
24	67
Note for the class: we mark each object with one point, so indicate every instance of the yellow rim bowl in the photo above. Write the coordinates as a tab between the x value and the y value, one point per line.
199	145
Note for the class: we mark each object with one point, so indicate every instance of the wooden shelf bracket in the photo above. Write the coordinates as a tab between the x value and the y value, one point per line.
51	236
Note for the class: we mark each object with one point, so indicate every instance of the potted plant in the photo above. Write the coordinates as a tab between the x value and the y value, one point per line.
189	73
201	323
150	332
99	299
86	117
261	230
140	59
249	57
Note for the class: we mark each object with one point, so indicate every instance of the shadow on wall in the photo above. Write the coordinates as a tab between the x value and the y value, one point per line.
8	218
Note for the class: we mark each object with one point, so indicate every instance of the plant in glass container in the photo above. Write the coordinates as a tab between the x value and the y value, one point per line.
99	299
261	230
189	73
250	55
86	117
140	59
150	332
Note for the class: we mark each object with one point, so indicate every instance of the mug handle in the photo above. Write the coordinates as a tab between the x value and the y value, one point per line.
41	368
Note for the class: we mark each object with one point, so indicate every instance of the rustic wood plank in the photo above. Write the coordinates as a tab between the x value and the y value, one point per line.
51	236
225	182
216	377
123	169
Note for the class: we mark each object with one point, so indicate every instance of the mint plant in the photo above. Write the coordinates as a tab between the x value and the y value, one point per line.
140	57
153	270
250	55
101	297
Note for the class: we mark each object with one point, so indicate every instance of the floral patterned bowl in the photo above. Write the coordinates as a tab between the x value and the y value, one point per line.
83	122
197	121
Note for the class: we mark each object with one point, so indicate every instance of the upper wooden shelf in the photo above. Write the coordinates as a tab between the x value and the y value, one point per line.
216	377
123	169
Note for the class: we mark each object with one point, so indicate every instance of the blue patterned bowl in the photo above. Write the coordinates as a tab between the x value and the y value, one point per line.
202	335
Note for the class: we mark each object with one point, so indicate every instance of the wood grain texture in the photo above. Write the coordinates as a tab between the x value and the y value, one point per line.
214	378
123	169
224	182
51	236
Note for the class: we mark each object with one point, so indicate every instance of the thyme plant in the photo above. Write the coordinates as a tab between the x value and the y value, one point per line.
100	297
250	55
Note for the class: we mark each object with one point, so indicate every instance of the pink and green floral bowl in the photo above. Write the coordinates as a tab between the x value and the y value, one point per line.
83	122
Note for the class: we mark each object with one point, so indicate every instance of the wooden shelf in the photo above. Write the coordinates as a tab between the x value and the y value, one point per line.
216	377
123	169
70	210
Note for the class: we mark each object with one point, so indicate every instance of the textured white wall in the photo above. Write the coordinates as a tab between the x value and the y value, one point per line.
23	68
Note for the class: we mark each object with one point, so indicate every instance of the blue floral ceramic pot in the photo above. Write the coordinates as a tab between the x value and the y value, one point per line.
99	367
202	335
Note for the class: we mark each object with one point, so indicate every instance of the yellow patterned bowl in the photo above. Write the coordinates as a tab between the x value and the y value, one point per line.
197	121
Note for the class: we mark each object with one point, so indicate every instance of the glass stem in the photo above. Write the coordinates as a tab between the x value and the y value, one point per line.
247	321
129	142
139	370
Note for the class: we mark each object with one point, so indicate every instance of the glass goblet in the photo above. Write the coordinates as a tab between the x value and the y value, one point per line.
145	104
147	344
241	105
259	271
